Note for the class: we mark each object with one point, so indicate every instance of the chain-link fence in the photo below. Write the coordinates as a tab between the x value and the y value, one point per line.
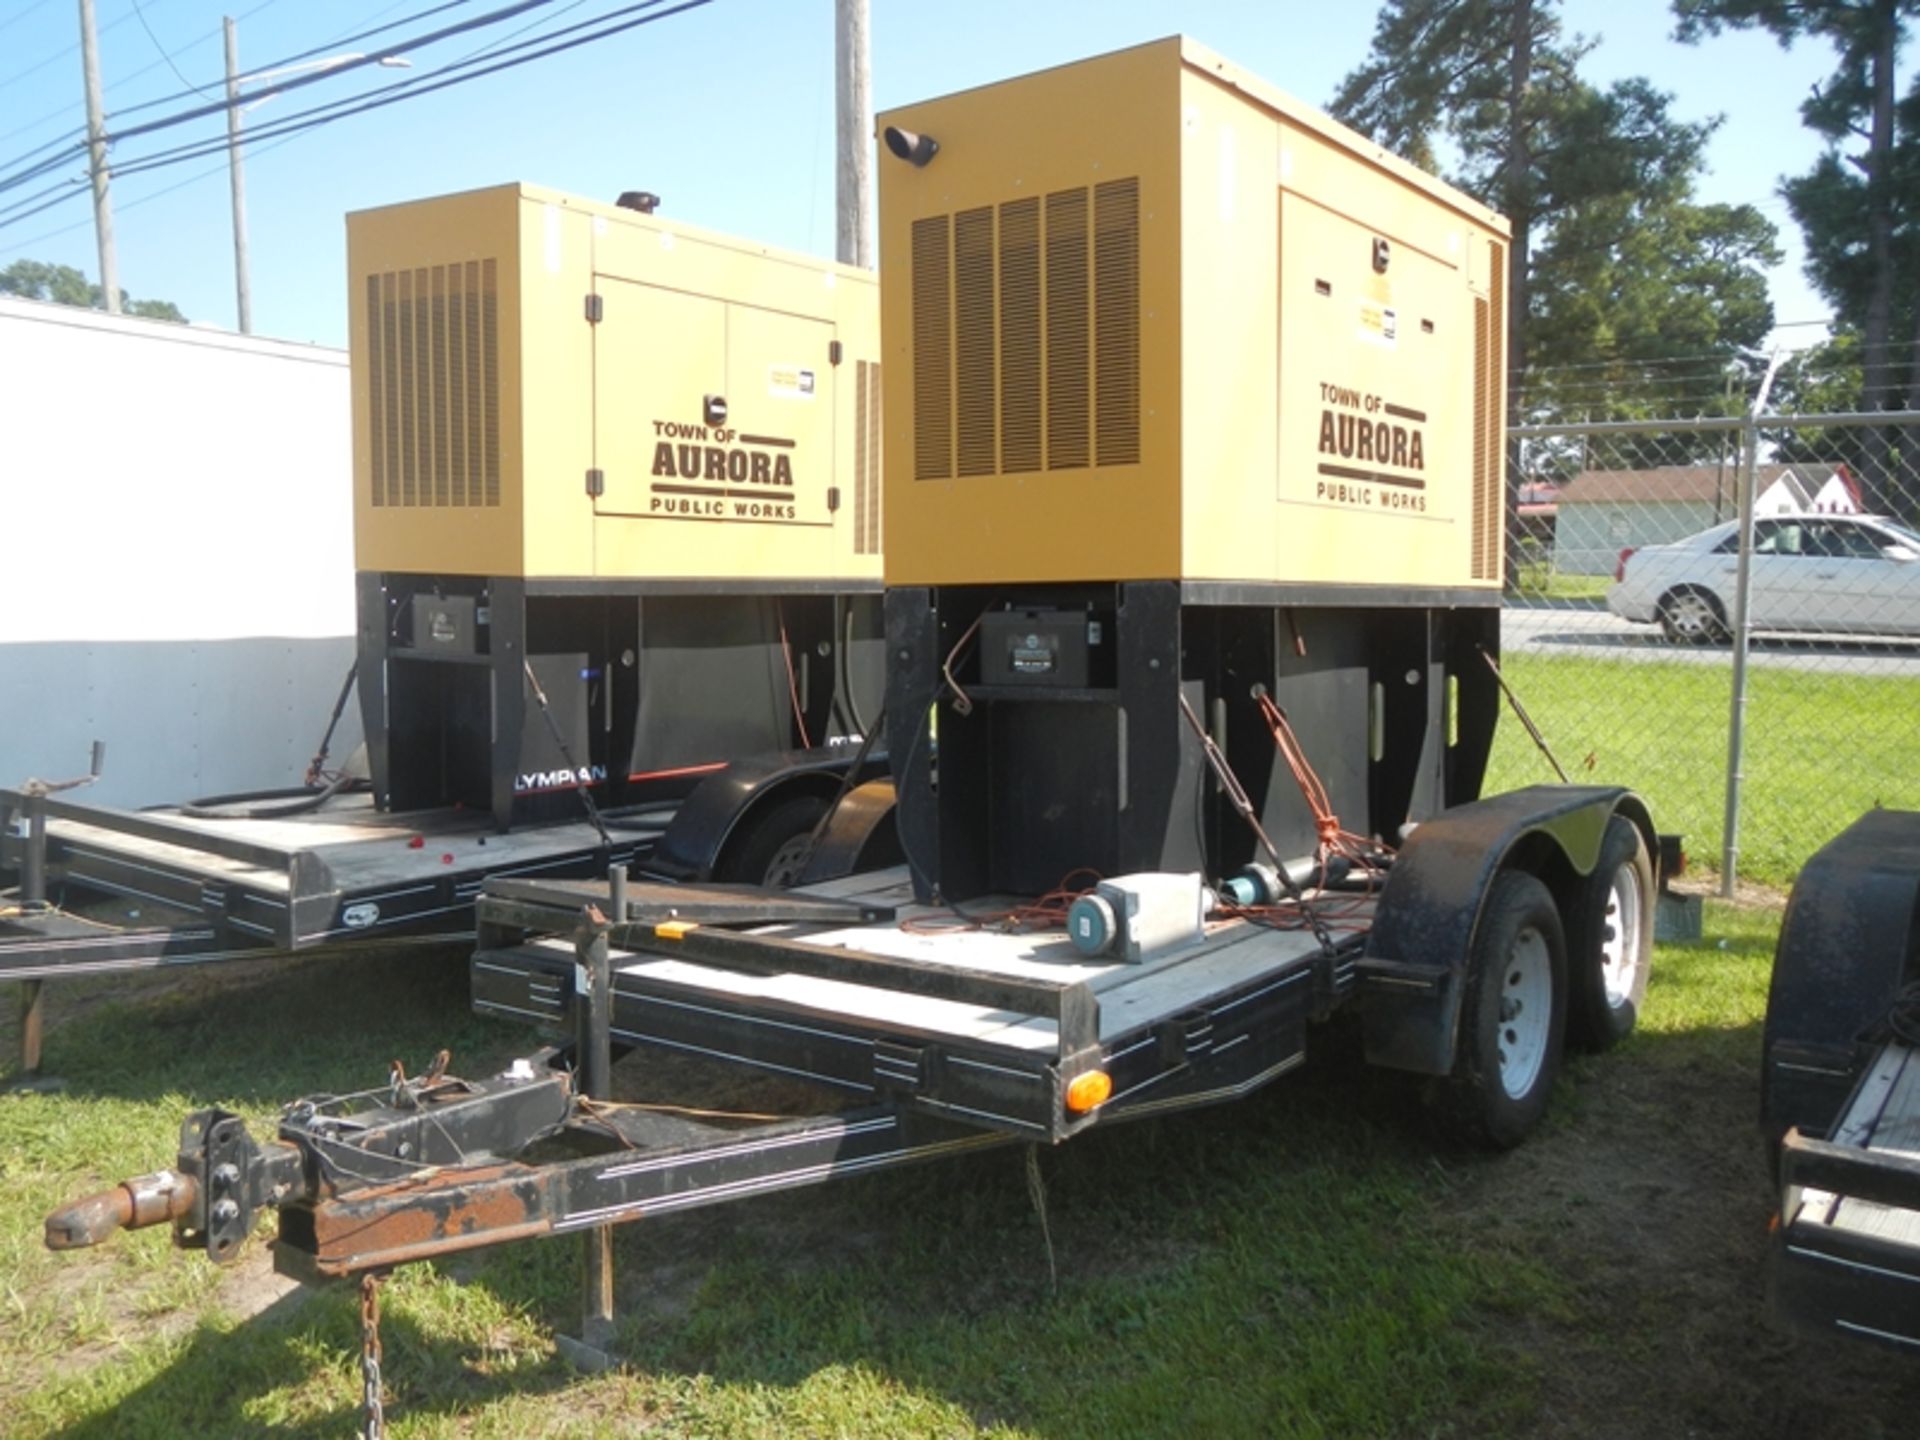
1724	614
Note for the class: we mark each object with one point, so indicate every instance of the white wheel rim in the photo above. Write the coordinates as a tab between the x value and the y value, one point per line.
1526	1012
1692	615
1620	937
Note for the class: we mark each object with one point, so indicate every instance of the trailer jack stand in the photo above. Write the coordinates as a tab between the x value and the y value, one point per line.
595	1044
589	1353
33	1024
32	902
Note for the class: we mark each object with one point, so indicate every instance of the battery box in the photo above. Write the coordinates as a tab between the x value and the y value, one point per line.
1071	648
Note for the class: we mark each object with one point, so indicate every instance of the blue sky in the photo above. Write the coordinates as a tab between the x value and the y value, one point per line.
726	111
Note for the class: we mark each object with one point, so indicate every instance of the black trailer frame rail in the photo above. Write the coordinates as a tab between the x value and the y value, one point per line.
1239	1033
244	896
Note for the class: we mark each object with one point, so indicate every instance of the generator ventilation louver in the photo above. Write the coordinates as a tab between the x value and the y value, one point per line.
433	385
1026	334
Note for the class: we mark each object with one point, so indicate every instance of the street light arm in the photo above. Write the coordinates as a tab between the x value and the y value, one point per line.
391	62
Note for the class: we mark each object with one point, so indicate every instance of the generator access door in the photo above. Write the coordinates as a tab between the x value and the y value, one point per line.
713	438
1370	398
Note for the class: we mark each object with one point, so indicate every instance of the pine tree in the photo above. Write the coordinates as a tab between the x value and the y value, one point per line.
1859	212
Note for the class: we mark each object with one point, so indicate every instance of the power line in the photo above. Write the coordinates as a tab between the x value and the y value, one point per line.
43	167
123	81
135	204
40	65
405	90
23	14
293	59
255	150
163	49
426	84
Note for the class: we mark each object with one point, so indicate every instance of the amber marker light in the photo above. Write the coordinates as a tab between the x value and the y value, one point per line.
1088	1091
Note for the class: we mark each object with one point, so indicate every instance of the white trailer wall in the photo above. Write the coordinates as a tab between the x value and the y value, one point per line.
176	576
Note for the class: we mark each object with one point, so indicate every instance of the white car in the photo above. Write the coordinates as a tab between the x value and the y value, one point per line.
1830	574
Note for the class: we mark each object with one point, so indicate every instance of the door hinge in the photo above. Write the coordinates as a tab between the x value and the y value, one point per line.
833	352
596	483
596	308
833	498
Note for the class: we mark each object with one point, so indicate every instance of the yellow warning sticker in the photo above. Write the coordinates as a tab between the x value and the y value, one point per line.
1379	325
790	382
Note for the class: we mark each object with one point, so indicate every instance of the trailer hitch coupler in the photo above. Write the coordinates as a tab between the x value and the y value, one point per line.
131	1205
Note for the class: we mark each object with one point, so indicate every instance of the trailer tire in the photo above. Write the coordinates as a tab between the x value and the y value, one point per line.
773	846
1512	1018
1612	947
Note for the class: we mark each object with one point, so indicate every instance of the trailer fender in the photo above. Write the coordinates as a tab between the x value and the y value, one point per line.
860	836
723	808
1412	974
1848	942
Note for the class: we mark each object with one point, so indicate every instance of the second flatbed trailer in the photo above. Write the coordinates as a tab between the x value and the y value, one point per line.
1840	1088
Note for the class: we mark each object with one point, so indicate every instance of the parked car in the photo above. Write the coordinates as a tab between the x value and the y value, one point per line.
1829	574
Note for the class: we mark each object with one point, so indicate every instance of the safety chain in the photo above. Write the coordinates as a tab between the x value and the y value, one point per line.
373	1416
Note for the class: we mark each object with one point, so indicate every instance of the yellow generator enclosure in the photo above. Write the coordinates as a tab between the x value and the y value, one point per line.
1147	317
545	386
616	503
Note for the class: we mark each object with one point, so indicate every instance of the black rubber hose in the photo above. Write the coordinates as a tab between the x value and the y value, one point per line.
279	803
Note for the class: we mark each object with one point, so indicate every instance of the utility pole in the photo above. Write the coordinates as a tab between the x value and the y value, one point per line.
853	103
243	295
97	160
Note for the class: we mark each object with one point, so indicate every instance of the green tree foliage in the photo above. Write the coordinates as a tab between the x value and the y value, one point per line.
1614	267
64	285
1858	208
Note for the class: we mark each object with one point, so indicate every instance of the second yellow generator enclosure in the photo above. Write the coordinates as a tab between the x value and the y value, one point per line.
613	468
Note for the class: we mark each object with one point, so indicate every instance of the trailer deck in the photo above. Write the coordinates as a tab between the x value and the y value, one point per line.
227	888
1847	1252
966	1022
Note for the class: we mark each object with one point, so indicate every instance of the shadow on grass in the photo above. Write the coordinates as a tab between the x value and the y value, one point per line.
1310	1260
257	1038
259	1378
1189	1253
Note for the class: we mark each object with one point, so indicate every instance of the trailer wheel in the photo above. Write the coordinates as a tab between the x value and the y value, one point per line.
774	845
1512	1018
1613	950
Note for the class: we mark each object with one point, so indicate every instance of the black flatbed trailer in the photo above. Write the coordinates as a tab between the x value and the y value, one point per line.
1840	1088
925	1034
936	1041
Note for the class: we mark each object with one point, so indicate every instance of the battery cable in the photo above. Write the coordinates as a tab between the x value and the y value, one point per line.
1237	795
579	779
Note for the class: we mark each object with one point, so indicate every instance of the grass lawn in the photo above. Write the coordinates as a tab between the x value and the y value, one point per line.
1540	582
1308	1262
1820	748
